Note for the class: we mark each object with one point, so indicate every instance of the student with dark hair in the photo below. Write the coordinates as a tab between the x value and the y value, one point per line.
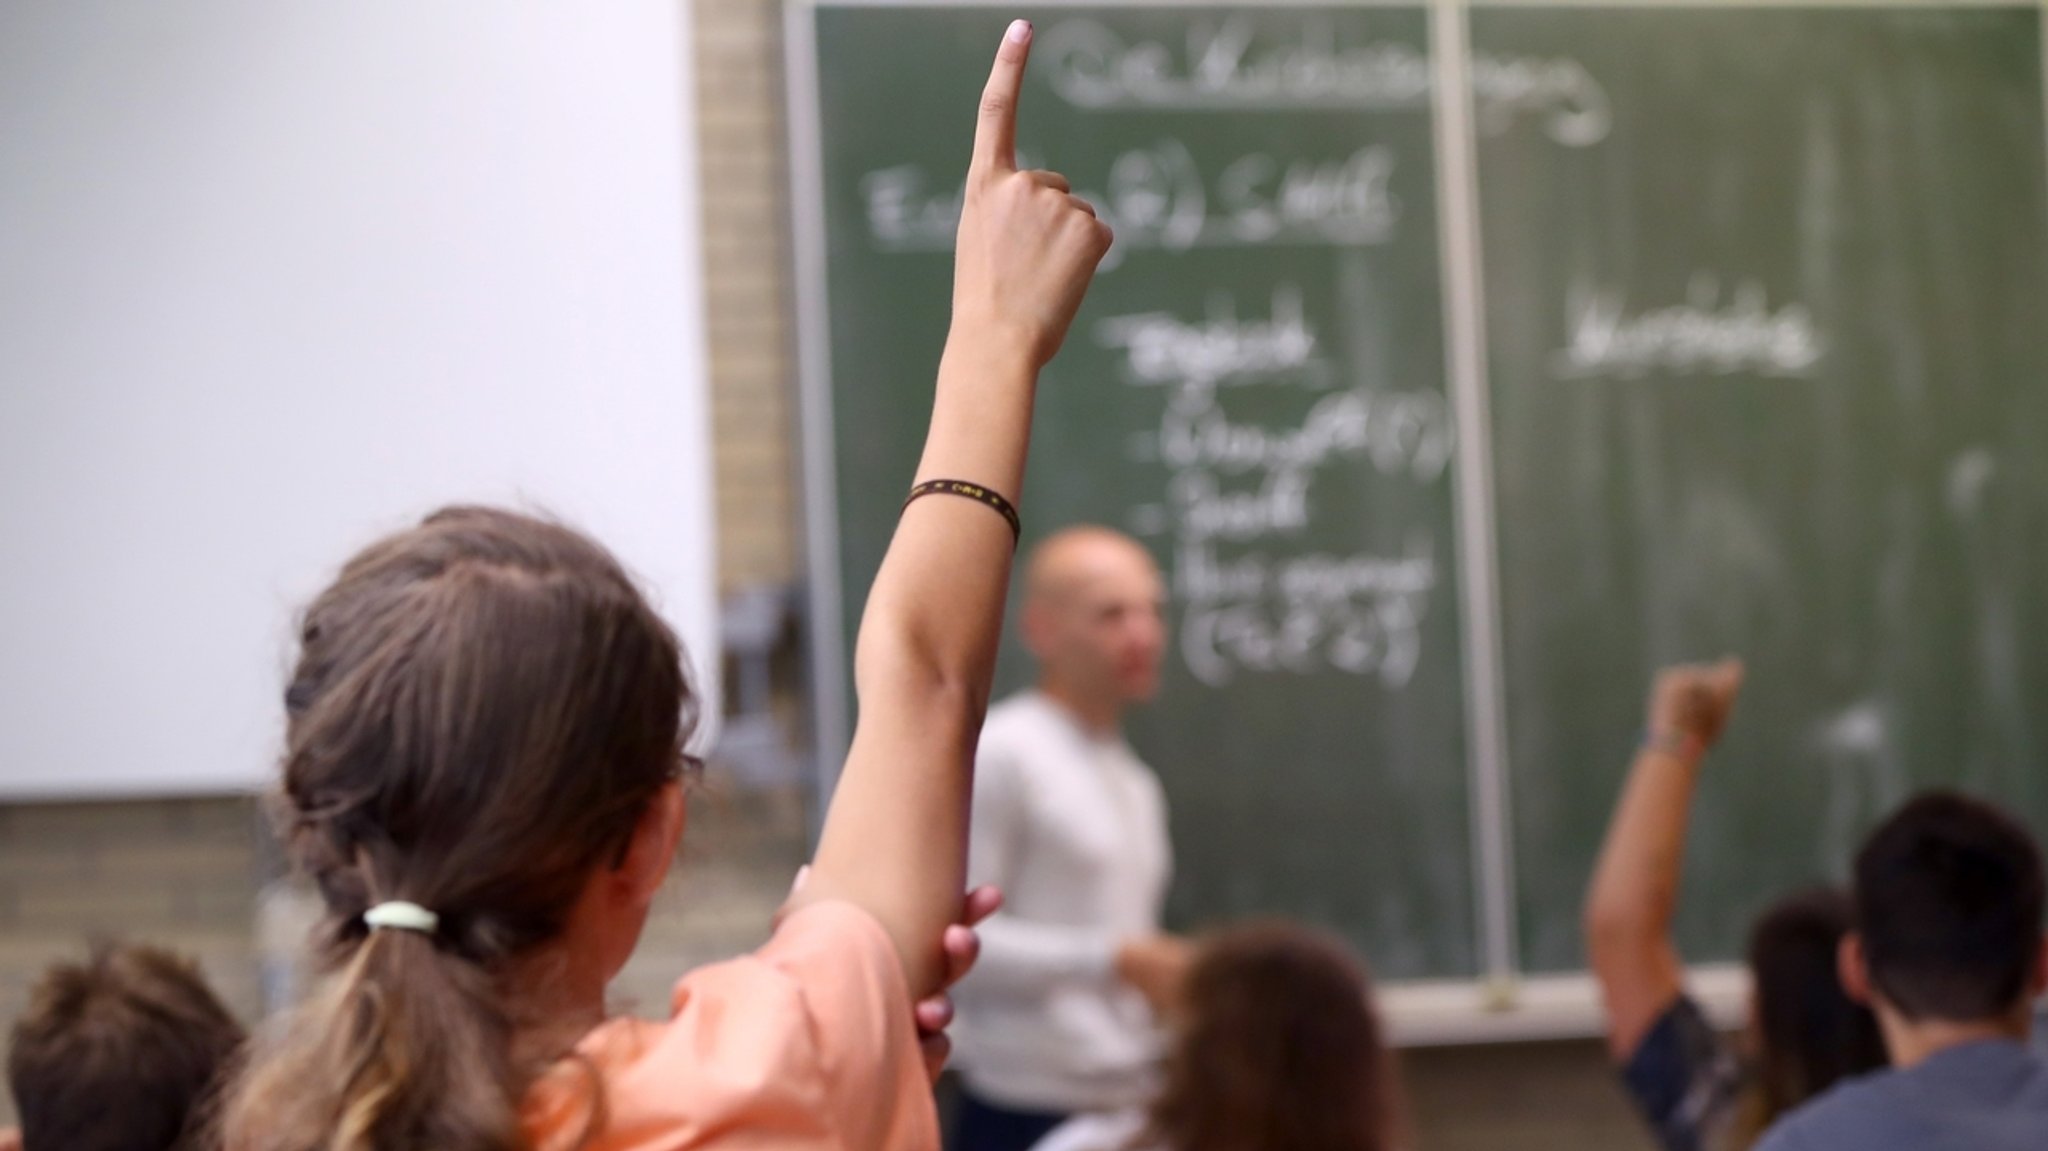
1948	949
1699	1090
483	772
1805	1033
1278	1047
123	1052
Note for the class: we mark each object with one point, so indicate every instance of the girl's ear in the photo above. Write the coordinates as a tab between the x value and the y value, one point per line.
652	851
1852	969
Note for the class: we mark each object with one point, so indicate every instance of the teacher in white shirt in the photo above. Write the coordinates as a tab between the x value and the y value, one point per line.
1062	1014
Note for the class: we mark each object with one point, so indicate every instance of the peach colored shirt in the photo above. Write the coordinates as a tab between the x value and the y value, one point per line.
806	1045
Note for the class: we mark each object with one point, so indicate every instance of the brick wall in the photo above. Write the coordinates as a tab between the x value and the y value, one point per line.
742	158
185	874
1520	1097
181	873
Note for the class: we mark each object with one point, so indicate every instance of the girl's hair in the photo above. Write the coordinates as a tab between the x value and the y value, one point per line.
1280	1049
1809	1033
483	707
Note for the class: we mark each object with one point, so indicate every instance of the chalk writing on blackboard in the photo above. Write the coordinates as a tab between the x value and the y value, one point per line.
1161	349
1237	502
1235	64
1158	197
1704	334
1360	614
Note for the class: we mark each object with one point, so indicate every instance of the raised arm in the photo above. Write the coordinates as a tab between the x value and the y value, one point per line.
895	837
1634	894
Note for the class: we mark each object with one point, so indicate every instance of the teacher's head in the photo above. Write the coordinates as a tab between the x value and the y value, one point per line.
1093	616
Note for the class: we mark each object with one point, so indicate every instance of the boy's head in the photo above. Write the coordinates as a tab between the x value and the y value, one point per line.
119	1053
1948	913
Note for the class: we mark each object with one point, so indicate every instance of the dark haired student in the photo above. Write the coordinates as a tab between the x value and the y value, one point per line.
123	1052
1278	1046
1948	950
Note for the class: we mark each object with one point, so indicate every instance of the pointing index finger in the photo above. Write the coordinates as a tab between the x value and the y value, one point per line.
995	136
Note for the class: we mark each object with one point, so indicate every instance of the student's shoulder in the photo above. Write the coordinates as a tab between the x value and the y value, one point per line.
1797	1131
1855	1113
813	1031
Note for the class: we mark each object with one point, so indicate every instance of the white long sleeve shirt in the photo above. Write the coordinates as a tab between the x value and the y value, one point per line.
1072	826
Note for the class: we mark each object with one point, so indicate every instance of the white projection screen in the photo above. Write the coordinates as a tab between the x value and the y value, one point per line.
277	276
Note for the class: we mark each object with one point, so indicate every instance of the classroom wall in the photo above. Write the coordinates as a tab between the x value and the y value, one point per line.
181	872
187	872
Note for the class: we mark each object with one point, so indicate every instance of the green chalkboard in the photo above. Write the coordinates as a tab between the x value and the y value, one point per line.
1769	375
1255	390
1759	311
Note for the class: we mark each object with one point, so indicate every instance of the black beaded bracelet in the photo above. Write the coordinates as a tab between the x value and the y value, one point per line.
973	492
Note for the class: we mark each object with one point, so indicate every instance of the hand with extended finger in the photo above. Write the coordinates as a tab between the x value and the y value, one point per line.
1027	246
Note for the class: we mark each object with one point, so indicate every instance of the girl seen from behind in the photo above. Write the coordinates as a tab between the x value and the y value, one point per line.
484	770
1278	1047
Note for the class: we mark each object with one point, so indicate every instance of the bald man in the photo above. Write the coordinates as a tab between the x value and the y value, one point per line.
1061	1016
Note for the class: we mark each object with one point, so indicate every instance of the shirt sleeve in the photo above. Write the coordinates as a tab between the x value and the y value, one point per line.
806	1045
1682	1077
1017	954
860	1013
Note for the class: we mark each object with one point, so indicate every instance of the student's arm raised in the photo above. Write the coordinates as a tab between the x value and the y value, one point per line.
895	837
1634	894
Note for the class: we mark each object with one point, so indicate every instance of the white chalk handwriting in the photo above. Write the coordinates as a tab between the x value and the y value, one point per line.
1158	197
1358	614
1399	433
1703	335
1252	594
1161	349
1227	64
